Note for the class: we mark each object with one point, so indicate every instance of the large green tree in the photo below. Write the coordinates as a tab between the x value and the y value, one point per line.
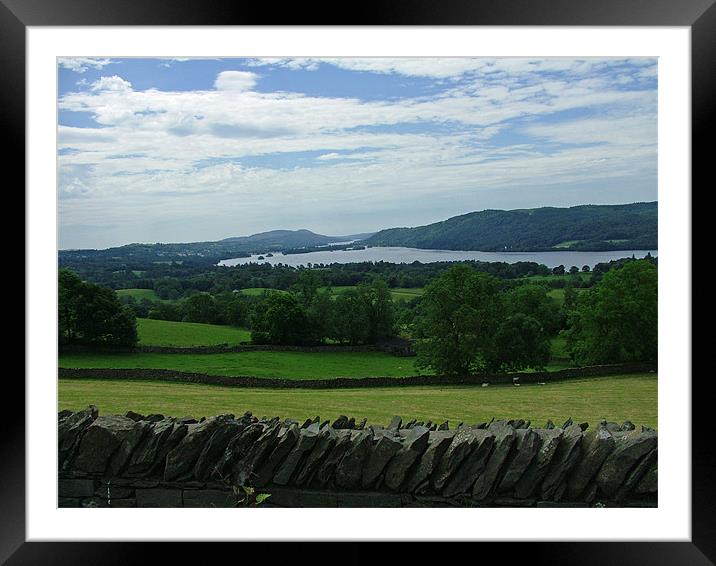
519	343
92	315
461	310
616	321
279	319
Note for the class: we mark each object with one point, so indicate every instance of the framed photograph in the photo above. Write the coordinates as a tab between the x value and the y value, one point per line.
387	279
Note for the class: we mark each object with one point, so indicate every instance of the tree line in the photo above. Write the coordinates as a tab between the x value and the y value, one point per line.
466	321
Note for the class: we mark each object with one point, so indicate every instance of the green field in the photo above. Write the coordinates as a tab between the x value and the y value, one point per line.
139	294
615	398
167	333
289	365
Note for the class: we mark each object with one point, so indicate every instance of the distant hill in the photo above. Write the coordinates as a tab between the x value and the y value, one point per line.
581	228
239	246
283	238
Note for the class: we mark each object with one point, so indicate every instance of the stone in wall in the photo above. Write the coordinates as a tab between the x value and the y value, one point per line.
349	470
496	463
565	458
597	445
414	444
526	445
108	443
418	480
326	470
181	460
504	438
215	448
306	441
380	455
473	465
287	439
69	434
326	441
629	449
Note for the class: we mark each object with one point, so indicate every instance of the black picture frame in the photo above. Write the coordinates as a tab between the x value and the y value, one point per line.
699	15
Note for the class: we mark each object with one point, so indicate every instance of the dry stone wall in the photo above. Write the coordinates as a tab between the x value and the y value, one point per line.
156	461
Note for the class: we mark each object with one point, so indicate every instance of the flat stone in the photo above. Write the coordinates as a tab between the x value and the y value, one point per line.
69	434
237	448
182	459
597	445
159	498
635	475
147	453
472	466
214	449
629	449
244	471
378	459
326	470
306	441
428	462
504	439
539	467
340	423
395	423
179	431
302	498
650	482
525	448
414	445
349	470
286	441
76	487
563	461
109	491
134	416
461	445
326	441
102	438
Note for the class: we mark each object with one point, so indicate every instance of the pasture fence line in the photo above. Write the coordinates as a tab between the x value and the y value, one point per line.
145	374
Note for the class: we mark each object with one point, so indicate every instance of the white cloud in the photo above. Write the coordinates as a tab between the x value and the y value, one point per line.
81	64
113	83
235	80
151	145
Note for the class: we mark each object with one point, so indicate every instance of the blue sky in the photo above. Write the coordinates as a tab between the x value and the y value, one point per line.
178	150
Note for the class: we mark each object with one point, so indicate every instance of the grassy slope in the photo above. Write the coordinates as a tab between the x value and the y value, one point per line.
290	365
613	398
167	333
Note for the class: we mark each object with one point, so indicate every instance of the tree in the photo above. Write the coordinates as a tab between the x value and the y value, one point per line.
616	321
279	319
559	270
532	300
461	310
349	319
199	308
519	343
573	270
378	304
92	315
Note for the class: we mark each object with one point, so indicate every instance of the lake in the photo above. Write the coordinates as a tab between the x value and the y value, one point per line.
409	255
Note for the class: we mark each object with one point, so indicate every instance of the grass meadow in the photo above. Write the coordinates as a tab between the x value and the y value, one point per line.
615	398
288	365
183	334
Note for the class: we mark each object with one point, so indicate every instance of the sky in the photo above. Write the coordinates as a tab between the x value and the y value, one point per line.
186	150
